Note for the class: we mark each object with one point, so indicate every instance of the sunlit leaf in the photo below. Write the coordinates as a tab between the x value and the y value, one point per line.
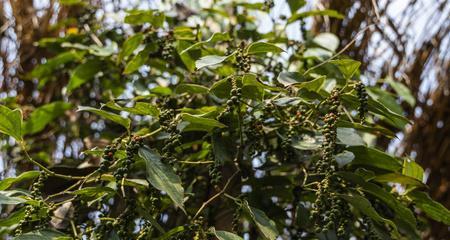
11	122
108	115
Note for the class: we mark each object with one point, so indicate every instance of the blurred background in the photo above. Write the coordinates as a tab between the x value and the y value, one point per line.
408	41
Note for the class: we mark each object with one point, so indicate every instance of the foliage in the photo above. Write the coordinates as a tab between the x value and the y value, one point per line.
235	130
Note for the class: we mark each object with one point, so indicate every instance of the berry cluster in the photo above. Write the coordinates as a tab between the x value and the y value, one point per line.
236	219
174	141
236	93
28	223
167	47
362	95
267	5
242	59
124	223
145	232
370	229
107	158
330	211
215	169
167	113
131	149
326	165
255	132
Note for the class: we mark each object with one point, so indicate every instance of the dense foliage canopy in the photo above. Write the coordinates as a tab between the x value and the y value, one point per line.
197	126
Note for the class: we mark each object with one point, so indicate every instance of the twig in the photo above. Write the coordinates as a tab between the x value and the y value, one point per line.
215	196
375	8
340	52
48	171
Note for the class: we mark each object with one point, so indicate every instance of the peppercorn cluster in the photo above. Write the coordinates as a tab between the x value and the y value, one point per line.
28	223
131	149
267	5
214	169
124	223
236	93
145	232
167	47
243	59
236	219
330	211
326	165
362	96
167	113
174	141
107	158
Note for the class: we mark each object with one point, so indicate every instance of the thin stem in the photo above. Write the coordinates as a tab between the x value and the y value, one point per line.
215	196
48	171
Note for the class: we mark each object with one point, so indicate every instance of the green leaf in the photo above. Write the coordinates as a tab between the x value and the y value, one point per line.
328	41
348	67
210	60
84	73
191	88
198	123
295	5
139	17
214	38
72	2
289	78
377	130
402	90
131	44
263	47
252	88
224	235
172	232
327	12
318	53
266	227
11	122
13	218
349	137
221	88
364	206
432	209
45	234
300	82
56	62
162	177
139	108
96	50
313	85
8	182
412	169
94	192
404	217
374	158
108	115
398	178
386	98
376	107
7	198
137	61
344	158
43	115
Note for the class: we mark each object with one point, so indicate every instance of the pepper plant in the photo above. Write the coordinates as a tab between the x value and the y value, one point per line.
210	130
